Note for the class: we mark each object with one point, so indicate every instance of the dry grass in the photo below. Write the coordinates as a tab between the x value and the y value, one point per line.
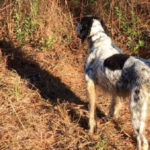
41	105
42	88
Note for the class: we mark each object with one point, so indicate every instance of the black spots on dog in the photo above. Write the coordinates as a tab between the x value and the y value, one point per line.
143	69
136	94
90	69
137	91
116	62
136	97
138	130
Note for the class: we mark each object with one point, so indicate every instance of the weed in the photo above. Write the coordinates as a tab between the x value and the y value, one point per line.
129	28
67	38
19	32
24	28
34	8
122	19
42	41
17	91
47	42
102	144
25	23
50	41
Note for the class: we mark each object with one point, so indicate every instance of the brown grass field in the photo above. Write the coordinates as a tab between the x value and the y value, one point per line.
43	103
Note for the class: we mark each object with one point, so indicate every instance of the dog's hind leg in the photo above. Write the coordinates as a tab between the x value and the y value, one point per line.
115	106
138	108
92	104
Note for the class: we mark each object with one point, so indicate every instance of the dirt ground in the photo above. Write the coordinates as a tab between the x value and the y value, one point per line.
44	106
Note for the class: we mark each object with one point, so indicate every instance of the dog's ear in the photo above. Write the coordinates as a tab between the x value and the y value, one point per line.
83	28
104	27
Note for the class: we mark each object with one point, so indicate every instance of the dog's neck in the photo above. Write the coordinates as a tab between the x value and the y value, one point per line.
97	33
98	38
99	41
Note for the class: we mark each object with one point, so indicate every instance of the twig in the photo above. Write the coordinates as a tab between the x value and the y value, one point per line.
2	9
16	114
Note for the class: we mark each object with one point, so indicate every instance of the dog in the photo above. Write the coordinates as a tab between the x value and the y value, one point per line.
119	74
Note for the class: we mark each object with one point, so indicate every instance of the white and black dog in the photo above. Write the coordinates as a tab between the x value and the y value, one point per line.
116	73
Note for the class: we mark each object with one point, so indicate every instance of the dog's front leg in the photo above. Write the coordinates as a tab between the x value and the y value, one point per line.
92	102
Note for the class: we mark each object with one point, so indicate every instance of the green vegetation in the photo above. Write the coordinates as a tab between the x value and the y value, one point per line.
26	24
102	144
47	23
130	29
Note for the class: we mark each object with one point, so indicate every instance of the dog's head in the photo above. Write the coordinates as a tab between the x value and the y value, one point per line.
89	26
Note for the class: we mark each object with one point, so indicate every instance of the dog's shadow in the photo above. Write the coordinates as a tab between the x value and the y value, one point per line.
49	86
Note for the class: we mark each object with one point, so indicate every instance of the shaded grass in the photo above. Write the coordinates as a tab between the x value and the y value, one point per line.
49	86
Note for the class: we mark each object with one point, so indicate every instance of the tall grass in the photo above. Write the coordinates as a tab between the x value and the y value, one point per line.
40	23
48	23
